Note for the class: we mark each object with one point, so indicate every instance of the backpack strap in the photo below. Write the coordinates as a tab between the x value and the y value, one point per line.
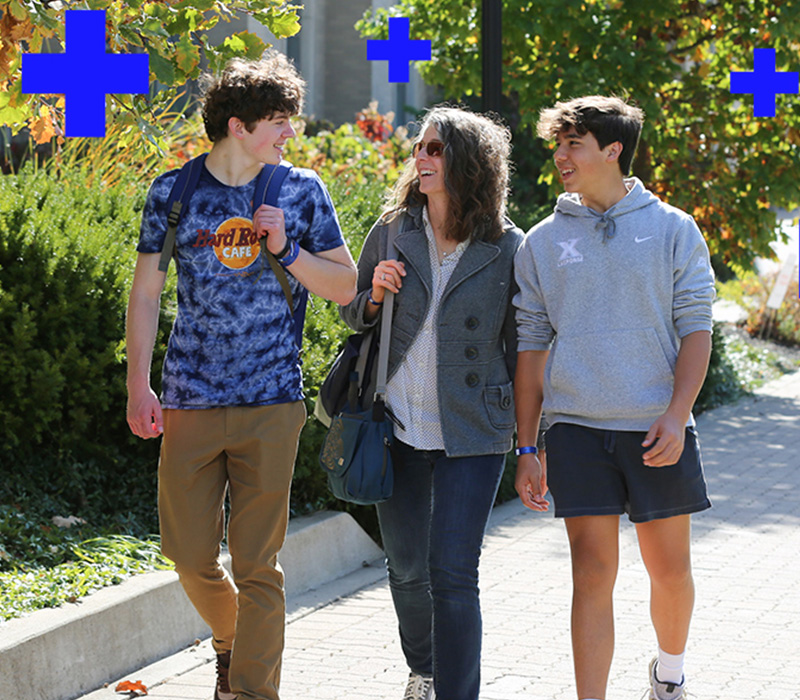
179	196
268	186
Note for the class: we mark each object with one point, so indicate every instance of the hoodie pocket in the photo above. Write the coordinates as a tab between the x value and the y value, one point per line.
611	374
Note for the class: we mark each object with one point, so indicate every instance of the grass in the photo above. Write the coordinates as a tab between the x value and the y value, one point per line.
98	562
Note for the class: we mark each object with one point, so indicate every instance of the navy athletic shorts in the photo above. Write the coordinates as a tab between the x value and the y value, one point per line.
601	472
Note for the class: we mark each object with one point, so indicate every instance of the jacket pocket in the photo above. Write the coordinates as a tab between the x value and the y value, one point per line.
499	403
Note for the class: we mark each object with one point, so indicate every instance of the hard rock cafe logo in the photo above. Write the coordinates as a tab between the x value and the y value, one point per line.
234	242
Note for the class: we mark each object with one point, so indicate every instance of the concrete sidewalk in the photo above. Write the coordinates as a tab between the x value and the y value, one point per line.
746	630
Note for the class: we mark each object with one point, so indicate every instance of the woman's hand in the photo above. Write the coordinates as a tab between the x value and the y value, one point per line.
389	275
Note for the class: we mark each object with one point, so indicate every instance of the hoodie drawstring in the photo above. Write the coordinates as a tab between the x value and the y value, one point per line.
607	224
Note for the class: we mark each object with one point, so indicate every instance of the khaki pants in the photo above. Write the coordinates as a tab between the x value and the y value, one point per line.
250	450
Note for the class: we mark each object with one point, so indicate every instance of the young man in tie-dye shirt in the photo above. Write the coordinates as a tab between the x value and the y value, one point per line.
231	407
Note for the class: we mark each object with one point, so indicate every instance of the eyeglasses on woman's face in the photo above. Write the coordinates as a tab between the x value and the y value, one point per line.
434	148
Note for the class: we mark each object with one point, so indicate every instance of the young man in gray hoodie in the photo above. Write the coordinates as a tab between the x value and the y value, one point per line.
614	321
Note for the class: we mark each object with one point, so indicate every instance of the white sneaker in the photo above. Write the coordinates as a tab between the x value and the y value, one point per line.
419	688
665	691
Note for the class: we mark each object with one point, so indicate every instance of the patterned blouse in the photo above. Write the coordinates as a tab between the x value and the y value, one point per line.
412	392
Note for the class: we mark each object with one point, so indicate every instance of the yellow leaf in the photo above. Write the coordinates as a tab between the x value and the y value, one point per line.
42	128
186	54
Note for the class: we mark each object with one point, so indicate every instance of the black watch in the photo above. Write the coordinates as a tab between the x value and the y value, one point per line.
285	250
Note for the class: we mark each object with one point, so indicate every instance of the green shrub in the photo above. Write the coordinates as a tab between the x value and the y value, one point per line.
357	206
722	384
66	258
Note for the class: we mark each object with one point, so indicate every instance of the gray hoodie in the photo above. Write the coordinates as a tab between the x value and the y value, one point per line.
611	295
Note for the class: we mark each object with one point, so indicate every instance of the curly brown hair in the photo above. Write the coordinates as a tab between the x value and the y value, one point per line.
609	119
476	173
251	91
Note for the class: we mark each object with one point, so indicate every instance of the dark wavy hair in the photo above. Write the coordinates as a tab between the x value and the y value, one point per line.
251	91
476	173
609	119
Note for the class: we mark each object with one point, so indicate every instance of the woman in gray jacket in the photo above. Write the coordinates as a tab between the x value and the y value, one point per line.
451	361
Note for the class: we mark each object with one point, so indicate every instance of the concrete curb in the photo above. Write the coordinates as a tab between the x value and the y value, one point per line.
65	652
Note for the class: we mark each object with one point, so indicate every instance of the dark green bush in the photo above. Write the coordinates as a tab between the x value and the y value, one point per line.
66	258
358	206
722	384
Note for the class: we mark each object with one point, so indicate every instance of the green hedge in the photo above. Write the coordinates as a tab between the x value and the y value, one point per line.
66	258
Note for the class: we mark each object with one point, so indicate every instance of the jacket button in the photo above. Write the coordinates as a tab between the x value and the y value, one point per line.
472	323
472	379
505	402
471	353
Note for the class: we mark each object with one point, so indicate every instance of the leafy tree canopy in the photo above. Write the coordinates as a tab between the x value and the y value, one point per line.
174	33
702	149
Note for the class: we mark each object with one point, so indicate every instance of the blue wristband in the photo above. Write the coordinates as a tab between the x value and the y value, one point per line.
291	256
372	301
526	450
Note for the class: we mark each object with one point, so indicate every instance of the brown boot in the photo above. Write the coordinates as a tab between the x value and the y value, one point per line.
223	689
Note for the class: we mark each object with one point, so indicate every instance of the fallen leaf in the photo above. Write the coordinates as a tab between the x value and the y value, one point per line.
136	687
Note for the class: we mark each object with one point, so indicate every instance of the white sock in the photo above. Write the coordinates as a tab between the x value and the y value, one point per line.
670	667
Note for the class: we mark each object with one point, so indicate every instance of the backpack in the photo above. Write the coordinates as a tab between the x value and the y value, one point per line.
268	185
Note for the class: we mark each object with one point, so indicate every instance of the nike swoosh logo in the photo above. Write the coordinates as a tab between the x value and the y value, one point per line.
642	240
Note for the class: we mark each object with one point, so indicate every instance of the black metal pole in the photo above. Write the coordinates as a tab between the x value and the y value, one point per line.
492	54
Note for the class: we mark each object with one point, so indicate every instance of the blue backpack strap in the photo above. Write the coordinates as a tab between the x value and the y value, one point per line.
269	182
268	186
179	196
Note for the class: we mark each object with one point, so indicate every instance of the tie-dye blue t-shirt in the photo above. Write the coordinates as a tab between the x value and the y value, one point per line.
233	341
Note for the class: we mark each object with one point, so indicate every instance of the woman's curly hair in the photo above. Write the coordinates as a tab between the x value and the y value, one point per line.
476	173
251	91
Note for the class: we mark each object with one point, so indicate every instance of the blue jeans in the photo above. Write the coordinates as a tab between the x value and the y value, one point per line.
432	530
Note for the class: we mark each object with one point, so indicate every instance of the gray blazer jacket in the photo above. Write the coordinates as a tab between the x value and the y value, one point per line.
477	337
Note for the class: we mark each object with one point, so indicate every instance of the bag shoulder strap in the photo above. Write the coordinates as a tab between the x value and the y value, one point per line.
386	327
179	196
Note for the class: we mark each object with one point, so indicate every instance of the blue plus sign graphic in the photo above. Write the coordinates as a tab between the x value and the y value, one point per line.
85	73
398	49
764	82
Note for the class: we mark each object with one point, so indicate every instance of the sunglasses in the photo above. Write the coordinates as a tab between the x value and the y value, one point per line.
433	147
